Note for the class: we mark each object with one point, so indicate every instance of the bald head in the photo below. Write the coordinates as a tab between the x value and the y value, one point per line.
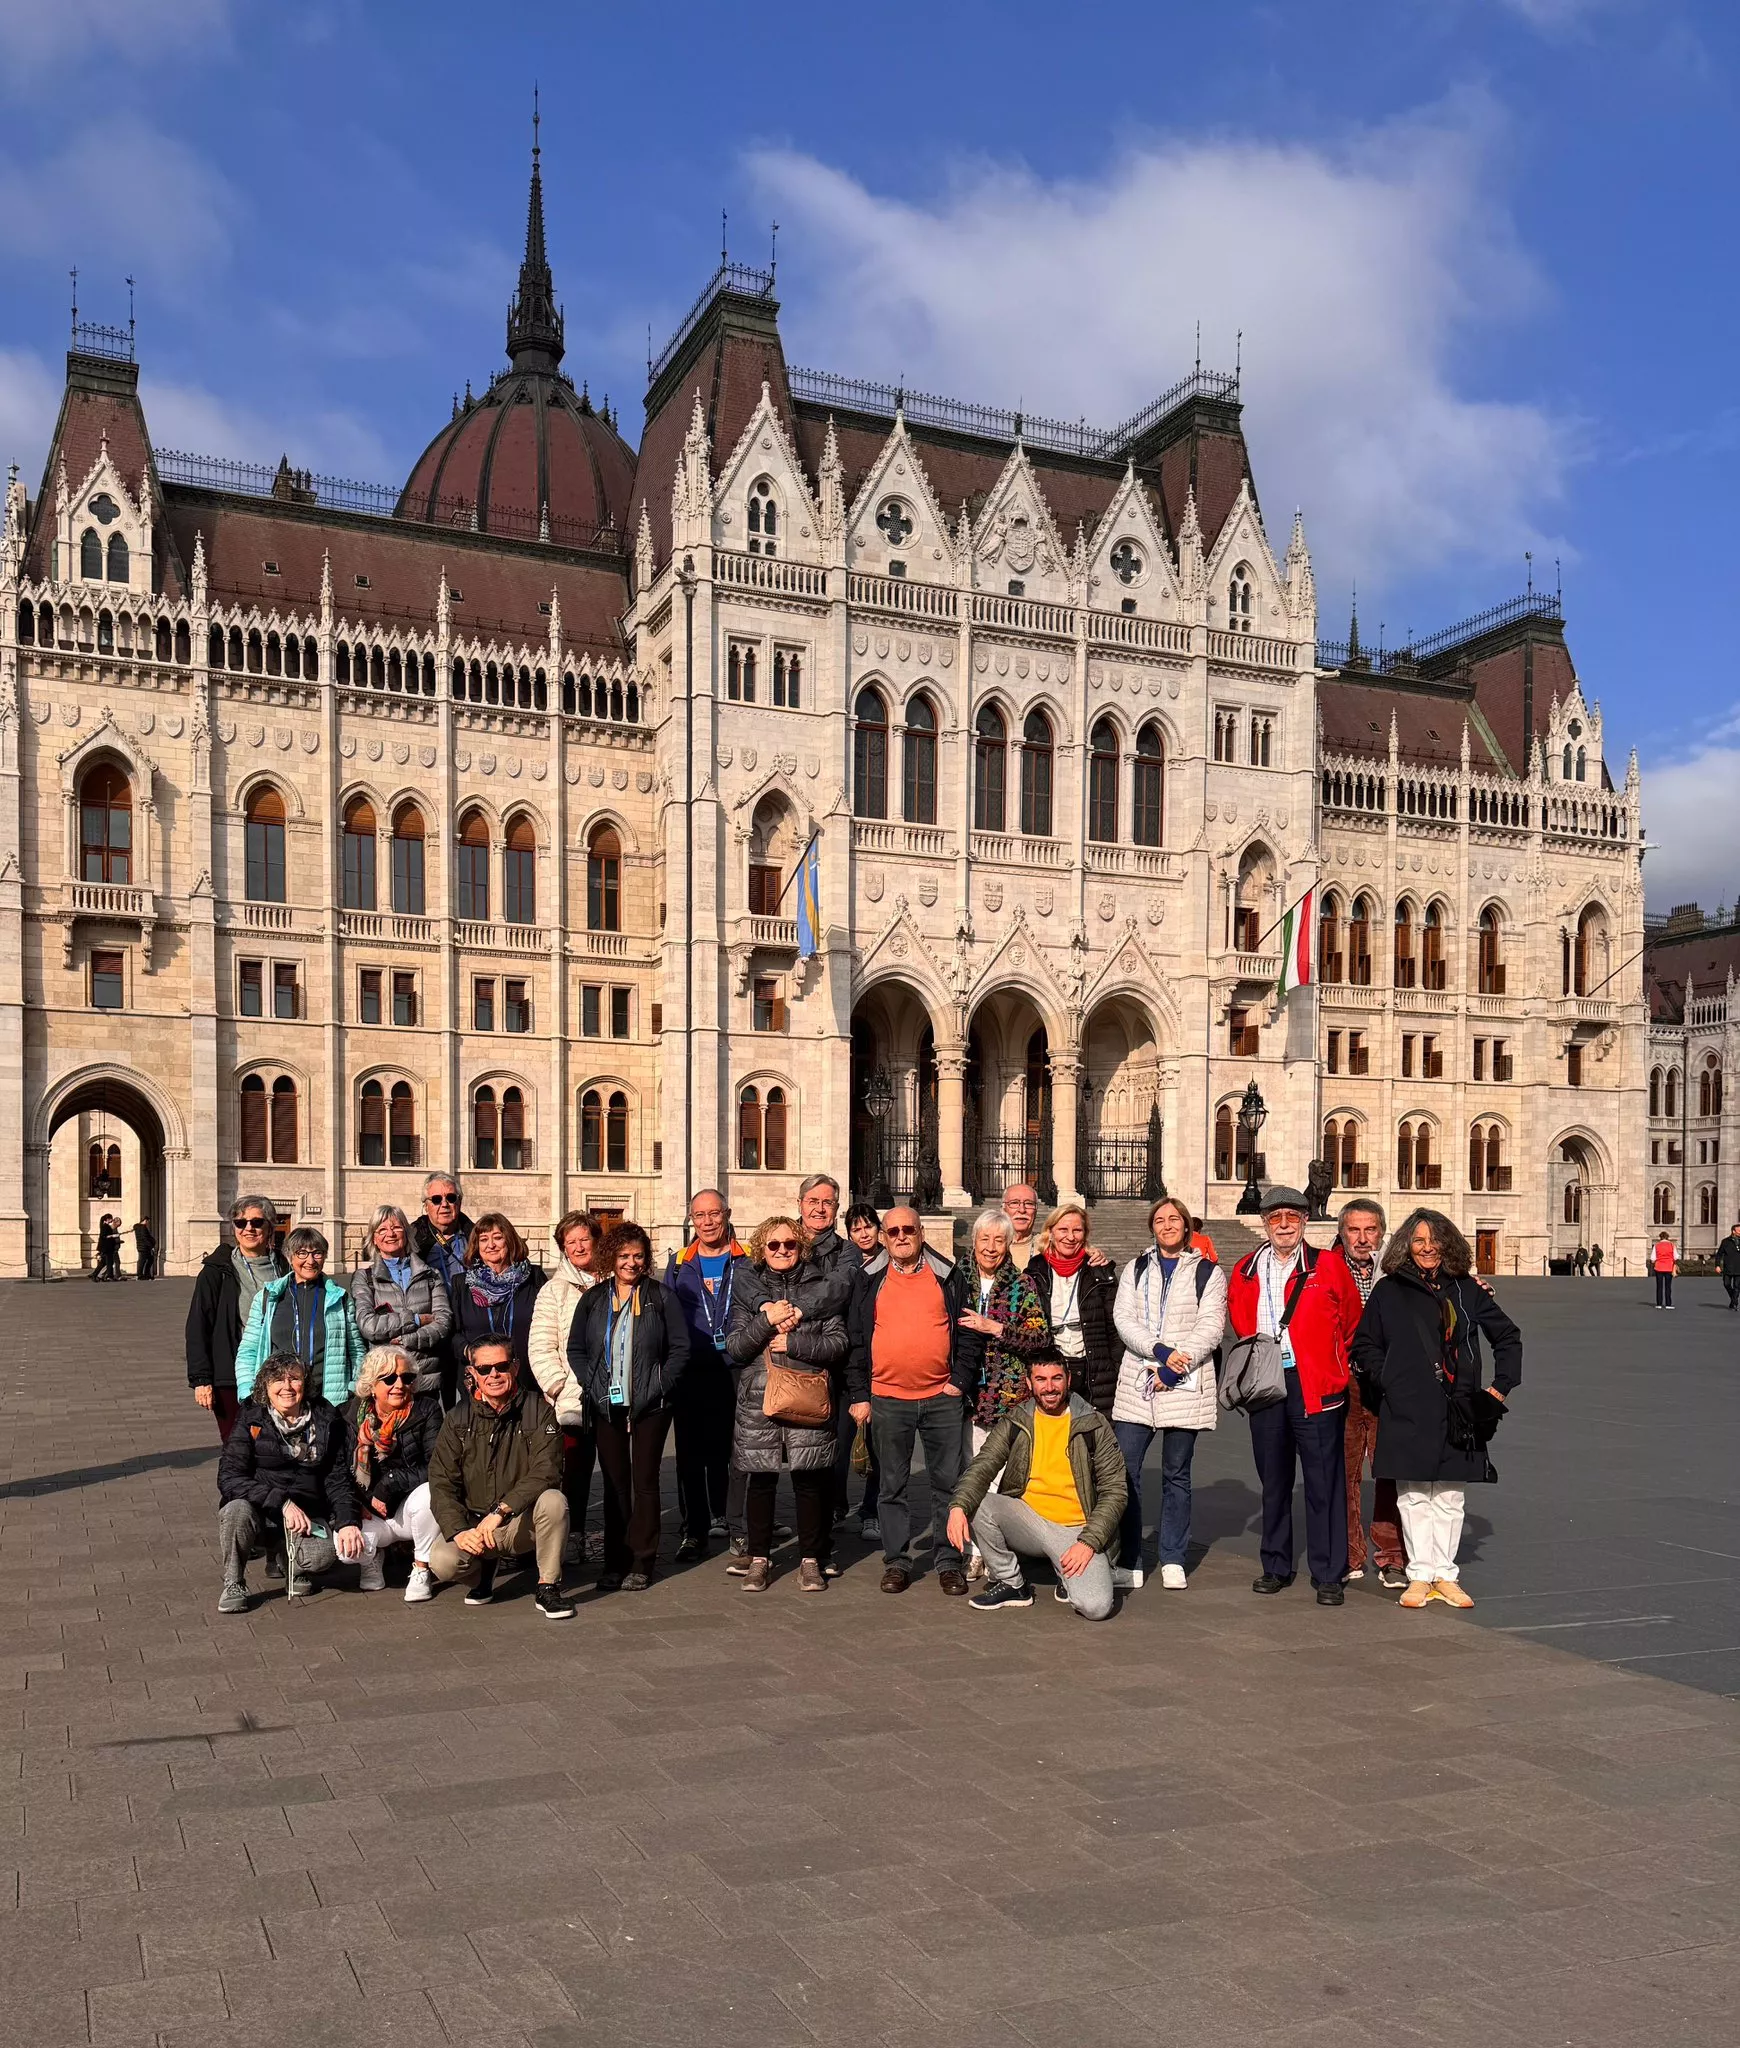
904	1235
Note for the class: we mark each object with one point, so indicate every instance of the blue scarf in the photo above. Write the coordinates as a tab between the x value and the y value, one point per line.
490	1289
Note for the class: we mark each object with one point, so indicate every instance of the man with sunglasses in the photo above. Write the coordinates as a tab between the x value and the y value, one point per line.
222	1296
439	1237
495	1483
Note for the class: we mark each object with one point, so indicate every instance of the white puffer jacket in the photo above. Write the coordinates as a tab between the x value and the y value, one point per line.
547	1342
1147	1315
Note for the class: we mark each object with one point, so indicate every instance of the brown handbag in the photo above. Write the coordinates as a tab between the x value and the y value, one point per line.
797	1396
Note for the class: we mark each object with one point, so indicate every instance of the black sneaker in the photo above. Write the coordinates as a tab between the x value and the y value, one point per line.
1332	1596
1271	1582
481	1592
691	1548
275	1563
998	1594
1392	1578
550	1604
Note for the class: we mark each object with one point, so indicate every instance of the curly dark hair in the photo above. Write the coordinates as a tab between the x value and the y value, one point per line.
1452	1246
617	1239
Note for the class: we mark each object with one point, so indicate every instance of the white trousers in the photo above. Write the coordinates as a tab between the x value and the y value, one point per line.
413	1522
1431	1514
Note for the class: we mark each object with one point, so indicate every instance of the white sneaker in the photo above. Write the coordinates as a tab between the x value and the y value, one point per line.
420	1585
1172	1578
1127	1581
371	1572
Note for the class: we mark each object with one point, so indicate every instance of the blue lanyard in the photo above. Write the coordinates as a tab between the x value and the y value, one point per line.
1166	1280
717	1323
489	1310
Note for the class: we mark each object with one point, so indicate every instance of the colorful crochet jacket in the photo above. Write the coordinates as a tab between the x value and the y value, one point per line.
996	1367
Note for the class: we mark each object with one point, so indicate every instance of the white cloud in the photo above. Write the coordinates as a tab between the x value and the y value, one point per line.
120	193
29	396
199	422
1355	274
1561	14
37	33
1694	822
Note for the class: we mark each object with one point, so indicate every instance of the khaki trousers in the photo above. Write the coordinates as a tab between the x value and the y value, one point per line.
543	1528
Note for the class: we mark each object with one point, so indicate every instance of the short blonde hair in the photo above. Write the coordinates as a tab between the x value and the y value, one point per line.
375	1362
1042	1241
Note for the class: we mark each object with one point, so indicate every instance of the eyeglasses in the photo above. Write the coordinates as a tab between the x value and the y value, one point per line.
441	1201
394	1379
250	1222
781	1244
900	1230
490	1372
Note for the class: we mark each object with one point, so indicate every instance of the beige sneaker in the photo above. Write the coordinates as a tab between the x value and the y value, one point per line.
759	1575
1451	1593
811	1577
1418	1593
1173	1578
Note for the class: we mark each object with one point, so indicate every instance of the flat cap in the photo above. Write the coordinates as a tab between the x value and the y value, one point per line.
1285	1198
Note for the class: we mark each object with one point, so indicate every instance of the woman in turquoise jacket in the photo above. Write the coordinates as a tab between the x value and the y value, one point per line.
307	1317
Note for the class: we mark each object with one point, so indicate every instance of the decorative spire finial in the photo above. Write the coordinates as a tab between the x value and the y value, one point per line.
535	330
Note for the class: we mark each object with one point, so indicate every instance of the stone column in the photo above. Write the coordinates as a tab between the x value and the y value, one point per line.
1065	1084
951	1076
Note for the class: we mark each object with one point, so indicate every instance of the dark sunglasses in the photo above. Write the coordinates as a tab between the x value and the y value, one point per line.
490	1372
394	1379
441	1201
900	1230
781	1244
251	1223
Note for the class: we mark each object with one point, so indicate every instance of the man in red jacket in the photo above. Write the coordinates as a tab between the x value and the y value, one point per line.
1311	1307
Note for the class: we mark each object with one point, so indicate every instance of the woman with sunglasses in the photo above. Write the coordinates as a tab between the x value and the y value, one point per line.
306	1316
223	1294
392	1429
788	1312
400	1299
498	1290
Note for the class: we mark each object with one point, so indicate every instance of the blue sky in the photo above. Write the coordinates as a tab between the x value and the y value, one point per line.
1480	252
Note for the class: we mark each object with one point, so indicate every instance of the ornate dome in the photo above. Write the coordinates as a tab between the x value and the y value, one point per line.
531	457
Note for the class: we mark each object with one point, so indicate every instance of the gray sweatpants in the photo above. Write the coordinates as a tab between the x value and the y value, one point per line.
242	1527
1006	1529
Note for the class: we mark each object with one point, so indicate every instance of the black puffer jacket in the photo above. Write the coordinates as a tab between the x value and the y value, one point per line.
407	1461
214	1320
661	1345
1094	1376
255	1467
821	1339
1397	1352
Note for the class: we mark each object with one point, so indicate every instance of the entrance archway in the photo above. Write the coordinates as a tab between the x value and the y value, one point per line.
110	1107
1577	1195
1119	1118
1008	1125
894	1127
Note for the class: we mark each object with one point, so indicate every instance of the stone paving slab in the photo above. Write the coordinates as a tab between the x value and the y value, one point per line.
689	1817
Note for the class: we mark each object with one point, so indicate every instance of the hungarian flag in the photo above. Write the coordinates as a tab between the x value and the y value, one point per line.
1298	929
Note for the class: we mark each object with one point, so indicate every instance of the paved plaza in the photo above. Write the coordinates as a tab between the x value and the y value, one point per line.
692	1818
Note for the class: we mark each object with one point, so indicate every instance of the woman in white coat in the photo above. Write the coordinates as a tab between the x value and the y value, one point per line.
1171	1316
547	1350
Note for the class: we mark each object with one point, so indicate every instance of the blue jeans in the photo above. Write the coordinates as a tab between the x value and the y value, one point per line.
1177	1448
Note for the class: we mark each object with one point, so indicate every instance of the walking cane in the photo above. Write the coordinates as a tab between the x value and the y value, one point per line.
289	1564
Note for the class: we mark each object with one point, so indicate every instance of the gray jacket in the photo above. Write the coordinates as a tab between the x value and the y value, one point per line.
387	1313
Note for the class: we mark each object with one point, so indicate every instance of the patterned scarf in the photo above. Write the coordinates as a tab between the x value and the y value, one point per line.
297	1432
374	1439
489	1289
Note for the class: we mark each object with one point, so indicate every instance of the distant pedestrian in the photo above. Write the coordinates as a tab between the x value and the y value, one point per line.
1662	1261
108	1245
1418	1351
1580	1262
145	1245
1594	1262
1728	1265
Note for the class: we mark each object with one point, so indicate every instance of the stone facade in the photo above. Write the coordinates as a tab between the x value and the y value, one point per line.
283	782
1692	1180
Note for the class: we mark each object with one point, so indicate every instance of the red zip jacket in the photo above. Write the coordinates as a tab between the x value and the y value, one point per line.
1322	1326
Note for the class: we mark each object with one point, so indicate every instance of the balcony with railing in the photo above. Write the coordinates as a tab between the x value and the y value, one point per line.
1125	629
598	945
1151	863
887	835
396	926
780	934
1252	650
110	899
911	599
491	937
1015	850
771	573
1025	615
1432	1001
267	917
1253	966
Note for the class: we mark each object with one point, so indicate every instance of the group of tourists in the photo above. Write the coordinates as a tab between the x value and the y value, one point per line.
107	1263
456	1400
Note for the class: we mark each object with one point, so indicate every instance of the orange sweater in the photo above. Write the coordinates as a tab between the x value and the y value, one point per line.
909	1348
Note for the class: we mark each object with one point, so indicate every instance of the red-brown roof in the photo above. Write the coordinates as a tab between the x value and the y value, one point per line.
1701	961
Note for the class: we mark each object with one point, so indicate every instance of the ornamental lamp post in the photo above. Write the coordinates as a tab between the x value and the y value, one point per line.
1252	1116
878	1100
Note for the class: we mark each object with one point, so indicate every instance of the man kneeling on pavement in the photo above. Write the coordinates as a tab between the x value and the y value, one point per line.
495	1483
1060	1491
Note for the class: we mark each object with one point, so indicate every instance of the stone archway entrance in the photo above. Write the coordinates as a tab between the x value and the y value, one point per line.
895	1132
103	1110
1008	1123
1119	1117
1578	1198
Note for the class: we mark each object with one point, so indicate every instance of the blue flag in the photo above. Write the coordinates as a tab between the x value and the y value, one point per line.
809	900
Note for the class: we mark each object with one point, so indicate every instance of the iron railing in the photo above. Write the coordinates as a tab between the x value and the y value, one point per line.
1534	604
113	344
741	278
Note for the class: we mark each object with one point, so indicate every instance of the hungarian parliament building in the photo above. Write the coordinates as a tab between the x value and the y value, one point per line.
348	833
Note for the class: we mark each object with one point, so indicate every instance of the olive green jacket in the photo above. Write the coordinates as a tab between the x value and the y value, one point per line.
1095	1462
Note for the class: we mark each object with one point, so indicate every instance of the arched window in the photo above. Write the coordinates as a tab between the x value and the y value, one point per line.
1405	1156
265	845
103	1172
990	757
371	1125
1353	1175
91	555
1238	600
1707	1204
1588	964
1671	1094
1565	764
274	655
763	518
163	640
1404	945
120	561
485	1123
105	631
918	764
252	1139
238	658
773	1127
408	891
1330	965
285	1124
1491	966
604	880
1223	1142
472	860
1477	1158
616	1133
516	1151
1655	1091
401	1125
1147	788
769	845
1663	1206
1425	1174
106	826
184	645
292	656
592	1132
1332	1149
1359	943
750	1129
1036	762
520	878
870	756
1432	948
1103	783
26	624
45	626
359	854
256	653
1582	764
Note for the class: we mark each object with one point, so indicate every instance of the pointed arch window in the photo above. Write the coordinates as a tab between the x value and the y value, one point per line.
401	1125
990	769
1432	948
251	1144
472	859
1330	964
520	872
516	1150
1223	1142
265	846
1405	1157
1359	943
1148	788
1491	965
91	556
763	518
485	1122
1103	783
371	1127
1404	945
1238	600
359	854
103	1172
592	1132
761	1130
604	880
120	560
918	763
870	756
1655	1091
106	826
285	1122
1671	1095
408	886
1036	776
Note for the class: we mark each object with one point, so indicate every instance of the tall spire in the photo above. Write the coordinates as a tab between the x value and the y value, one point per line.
534	330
